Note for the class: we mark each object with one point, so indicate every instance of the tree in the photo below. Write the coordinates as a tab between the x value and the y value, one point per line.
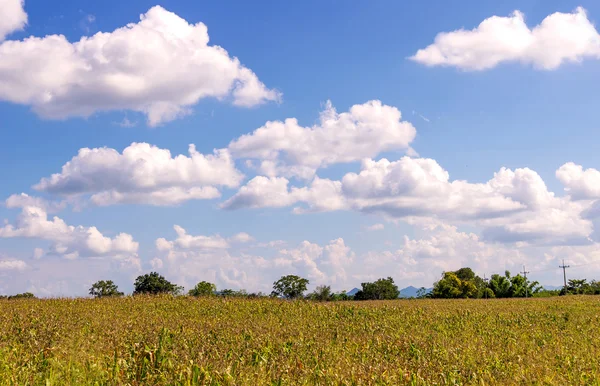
322	293
501	285
422	293
203	288
289	287
24	295
521	287
235	294
153	284
513	287
105	288
451	287
379	290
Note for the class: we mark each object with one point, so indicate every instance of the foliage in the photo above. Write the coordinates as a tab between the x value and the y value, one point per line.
24	295
322	293
203	288
513	287
289	287
451	286
233	293
154	284
582	287
544	293
382	289
164	340
422	293
104	288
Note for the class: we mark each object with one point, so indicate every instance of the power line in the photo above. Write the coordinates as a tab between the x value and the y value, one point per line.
564	268
525	275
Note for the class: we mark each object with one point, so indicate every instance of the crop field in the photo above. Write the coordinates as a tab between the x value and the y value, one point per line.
216	341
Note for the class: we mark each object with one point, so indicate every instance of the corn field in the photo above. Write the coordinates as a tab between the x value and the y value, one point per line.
217	341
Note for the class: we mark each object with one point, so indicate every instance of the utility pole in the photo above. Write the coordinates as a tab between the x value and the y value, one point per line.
485	279
525	275
564	268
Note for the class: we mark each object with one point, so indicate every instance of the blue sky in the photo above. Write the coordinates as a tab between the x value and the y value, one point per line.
530	110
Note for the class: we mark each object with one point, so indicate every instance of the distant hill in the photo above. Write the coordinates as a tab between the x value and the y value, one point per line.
352	292
411	292
552	287
408	292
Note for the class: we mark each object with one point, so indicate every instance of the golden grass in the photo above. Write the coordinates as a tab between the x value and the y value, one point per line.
187	341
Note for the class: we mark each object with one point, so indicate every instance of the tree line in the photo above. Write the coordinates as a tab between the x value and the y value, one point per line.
460	284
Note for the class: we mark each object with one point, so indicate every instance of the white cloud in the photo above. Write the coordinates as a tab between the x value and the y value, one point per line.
67	240
261	192
273	192
160	66
143	174
512	206
22	200
579	183
288	149
376	227
13	17
559	38
189	242
12	265
38	253
241	237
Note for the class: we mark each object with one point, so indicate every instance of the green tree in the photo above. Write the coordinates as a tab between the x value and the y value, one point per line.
322	293
501	285
105	288
451	287
379	290
513	286
579	287
422	293
24	295
234	294
340	296
289	287
153	284
203	288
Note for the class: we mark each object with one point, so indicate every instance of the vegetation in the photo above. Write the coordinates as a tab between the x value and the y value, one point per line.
203	288
581	287
24	295
154	284
289	287
165	340
465	284
104	288
382	289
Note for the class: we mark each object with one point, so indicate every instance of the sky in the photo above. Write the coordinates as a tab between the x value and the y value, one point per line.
236	142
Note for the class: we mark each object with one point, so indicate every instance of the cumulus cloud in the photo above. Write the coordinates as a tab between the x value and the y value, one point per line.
241	237
512	206
288	149
12	265
23	200
376	227
143	173
160	66
67	240
185	241
559	38
579	183
273	192
13	17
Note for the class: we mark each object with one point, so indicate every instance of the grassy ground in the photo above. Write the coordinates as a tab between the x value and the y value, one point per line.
188	341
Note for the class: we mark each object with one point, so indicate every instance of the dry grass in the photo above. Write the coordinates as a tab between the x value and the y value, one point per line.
186	341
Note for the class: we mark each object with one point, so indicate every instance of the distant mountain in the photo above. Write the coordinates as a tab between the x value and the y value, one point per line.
552	287
352	292
411	292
